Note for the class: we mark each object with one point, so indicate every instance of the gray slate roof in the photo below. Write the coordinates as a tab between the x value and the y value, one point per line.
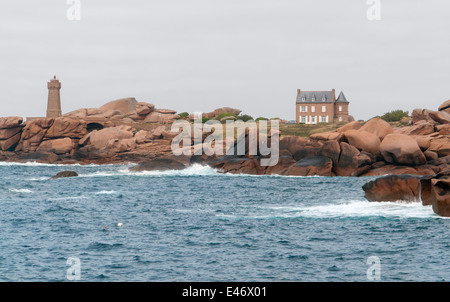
309	96
341	98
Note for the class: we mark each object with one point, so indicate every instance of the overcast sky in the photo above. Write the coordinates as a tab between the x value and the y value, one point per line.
198	55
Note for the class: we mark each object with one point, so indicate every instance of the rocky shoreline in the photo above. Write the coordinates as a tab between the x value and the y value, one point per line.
111	135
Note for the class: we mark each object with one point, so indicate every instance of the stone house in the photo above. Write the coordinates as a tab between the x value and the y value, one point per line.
314	107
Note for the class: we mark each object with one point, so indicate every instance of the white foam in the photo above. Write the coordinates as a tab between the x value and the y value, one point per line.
193	170
21	190
104	192
37	164
354	208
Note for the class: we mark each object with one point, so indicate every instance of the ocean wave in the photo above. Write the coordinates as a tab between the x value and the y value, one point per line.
37	164
350	209
21	190
194	170
105	192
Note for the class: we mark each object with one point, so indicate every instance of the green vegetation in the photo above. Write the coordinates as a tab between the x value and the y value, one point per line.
261	119
394	116
245	117
183	115
222	115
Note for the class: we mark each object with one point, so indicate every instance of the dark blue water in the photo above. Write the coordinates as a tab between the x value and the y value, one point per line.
200	225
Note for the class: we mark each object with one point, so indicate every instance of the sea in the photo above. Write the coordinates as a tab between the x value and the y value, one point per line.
199	225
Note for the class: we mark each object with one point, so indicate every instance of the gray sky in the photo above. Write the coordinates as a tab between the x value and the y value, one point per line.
199	55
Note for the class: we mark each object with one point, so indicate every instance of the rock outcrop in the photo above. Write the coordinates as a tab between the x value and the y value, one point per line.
64	174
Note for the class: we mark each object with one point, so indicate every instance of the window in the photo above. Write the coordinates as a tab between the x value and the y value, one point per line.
324	99
323	119
302	119
303	99
313	108
313	119
313	99
340	118
340	108
303	109
324	108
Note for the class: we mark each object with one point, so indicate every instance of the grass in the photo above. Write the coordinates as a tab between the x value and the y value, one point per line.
306	130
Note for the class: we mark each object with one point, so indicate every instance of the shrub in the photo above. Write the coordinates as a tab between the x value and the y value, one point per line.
261	119
183	115
222	115
394	116
245	117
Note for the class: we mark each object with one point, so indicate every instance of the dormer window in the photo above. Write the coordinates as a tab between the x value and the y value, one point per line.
324	99
303	99
313	99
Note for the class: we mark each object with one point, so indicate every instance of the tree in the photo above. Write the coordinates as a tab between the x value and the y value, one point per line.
394	116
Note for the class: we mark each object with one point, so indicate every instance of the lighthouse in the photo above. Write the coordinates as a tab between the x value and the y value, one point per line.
54	98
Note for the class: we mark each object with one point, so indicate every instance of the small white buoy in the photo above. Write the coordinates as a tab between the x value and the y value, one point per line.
120	224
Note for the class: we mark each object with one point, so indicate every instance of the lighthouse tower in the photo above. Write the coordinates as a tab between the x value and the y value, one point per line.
54	98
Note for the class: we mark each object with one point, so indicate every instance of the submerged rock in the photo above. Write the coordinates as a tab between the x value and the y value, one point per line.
160	164
65	174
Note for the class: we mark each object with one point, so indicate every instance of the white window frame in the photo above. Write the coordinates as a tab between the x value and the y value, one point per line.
323	119
324	108
302	119
340	108
313	108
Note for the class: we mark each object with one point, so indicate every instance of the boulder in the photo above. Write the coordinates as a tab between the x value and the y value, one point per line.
291	143
424	142
363	140
430	155
355	125
10	143
326	136
65	174
419	128
143	108
441	146
441	196
393	188
444	105
157	117
435	191
121	145
284	162
443	129
10	122
142	137
165	111
66	127
125	105
99	138
401	149
332	150
9	132
351	161
378	127
158	132
33	133
441	117
310	166
421	115
390	170
57	146
306	151
110	114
